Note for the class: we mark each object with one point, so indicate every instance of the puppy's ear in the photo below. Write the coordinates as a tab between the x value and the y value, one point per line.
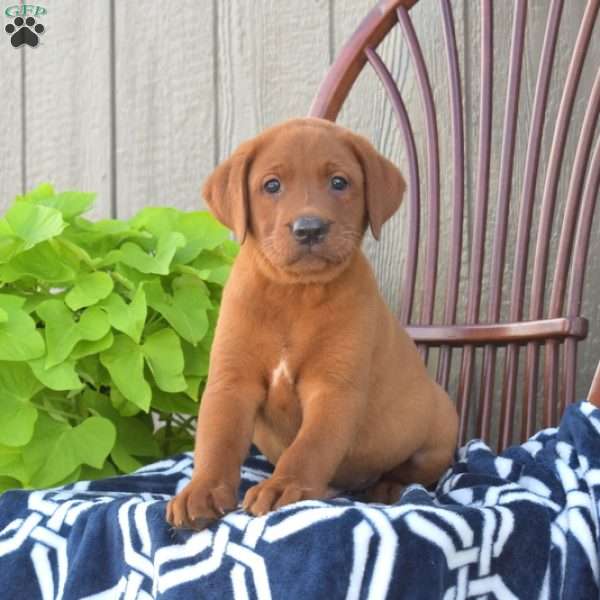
384	184
226	191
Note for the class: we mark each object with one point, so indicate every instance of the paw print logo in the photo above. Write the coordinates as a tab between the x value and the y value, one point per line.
24	32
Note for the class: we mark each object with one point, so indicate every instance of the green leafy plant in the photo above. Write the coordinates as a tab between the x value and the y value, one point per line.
105	333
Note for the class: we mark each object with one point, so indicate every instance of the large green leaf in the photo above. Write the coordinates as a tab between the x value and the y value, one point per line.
128	318
185	309
202	227
8	483
44	190
86	348
202	233
43	262
57	449
72	477
34	223
63	330
17	414
92	371
134	435
194	387
124	461
19	338
159	261
70	204
124	360
93	324
59	377
174	403
89	289
11	302
12	467
156	219
209	266
196	368
165	359
88	473
74	254
101	237
196	359
123	406
32	301
10	246
229	248
134	438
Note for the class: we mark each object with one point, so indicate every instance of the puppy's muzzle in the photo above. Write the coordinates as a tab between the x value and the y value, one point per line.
310	230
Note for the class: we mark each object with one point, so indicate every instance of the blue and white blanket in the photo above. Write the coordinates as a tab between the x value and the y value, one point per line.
520	525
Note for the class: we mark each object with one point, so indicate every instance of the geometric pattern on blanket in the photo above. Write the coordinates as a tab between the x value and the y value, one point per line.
516	526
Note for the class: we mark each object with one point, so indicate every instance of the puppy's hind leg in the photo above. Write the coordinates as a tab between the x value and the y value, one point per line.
425	467
384	491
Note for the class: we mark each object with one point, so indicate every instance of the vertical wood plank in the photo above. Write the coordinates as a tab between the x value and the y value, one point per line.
67	95
272	56
11	124
165	102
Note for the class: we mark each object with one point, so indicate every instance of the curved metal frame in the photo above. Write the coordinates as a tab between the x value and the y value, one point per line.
563	327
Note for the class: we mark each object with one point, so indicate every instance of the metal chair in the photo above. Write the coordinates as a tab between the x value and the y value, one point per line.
553	331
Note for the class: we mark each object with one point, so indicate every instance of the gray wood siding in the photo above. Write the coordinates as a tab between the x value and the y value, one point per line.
138	101
66	97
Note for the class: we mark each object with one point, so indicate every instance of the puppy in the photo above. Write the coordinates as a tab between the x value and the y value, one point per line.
307	361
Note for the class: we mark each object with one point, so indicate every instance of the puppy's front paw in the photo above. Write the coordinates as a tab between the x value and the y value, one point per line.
200	503
276	492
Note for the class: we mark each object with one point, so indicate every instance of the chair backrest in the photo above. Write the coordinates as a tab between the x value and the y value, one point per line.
549	282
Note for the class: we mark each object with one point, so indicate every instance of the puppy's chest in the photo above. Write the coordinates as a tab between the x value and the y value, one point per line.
293	331
290	350
290	345
282	411
283	374
282	370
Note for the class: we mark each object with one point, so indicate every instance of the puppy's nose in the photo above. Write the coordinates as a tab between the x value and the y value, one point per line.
309	230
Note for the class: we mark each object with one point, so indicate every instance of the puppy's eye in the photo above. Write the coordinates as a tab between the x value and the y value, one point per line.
272	186
338	183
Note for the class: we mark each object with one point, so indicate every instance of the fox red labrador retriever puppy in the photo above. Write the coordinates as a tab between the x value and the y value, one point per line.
308	362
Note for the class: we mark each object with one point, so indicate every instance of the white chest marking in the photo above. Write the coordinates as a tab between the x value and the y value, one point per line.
281	371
